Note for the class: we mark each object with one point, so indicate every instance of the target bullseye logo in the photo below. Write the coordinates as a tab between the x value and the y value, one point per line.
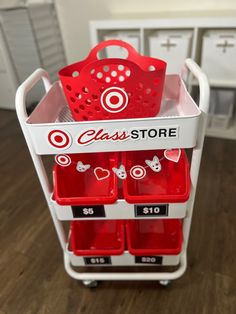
138	172
63	160
59	139
114	99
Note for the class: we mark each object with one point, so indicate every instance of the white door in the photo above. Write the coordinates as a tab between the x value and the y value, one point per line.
8	81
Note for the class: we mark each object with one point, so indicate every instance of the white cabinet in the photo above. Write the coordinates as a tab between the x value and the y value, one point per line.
218	55
209	40
173	46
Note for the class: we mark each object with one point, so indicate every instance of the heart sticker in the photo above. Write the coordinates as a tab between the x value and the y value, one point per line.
101	173
172	154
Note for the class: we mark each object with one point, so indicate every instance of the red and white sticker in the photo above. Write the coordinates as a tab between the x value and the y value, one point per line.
101	173
63	160
59	139
172	154
114	99
138	172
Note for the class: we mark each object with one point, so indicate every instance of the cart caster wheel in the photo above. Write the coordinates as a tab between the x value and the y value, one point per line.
164	283
90	283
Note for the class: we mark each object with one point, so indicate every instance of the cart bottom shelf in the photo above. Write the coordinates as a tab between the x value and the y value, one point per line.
126	259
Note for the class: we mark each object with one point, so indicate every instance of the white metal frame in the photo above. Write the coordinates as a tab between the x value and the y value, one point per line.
47	189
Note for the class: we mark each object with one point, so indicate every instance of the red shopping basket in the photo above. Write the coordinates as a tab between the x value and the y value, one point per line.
114	88
154	237
171	185
98	185
104	237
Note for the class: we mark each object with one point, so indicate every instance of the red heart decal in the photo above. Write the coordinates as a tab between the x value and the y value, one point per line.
172	154
101	173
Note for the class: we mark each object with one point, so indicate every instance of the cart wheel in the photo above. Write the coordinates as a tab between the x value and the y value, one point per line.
164	283
90	283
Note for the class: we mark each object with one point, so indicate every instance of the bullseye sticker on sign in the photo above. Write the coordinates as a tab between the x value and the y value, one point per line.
138	172
59	139
63	160
114	99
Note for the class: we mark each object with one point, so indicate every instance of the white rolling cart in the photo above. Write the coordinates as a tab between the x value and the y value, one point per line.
178	111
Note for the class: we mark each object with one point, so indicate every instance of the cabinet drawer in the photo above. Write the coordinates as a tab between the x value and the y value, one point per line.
171	46
218	55
131	37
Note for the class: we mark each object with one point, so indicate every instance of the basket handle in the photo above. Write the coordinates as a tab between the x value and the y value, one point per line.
132	53
92	65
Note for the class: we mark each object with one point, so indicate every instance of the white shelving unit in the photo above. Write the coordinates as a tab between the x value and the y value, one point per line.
52	114
197	25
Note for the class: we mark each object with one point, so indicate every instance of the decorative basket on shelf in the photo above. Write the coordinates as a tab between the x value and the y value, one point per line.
113	88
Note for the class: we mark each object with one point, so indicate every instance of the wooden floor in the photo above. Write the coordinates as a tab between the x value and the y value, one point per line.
32	277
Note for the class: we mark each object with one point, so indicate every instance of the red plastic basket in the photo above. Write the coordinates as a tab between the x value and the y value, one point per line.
170	185
83	188
154	237
97	237
114	88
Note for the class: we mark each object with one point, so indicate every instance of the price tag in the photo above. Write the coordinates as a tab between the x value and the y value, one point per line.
97	260
151	210
148	260
88	211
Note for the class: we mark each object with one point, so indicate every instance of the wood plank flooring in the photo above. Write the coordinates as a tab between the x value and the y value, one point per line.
32	277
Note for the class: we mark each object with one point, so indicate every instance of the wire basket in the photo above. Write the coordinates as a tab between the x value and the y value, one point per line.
114	88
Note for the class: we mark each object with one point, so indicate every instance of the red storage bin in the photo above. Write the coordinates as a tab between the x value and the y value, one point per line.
170	185
83	188
103	237
114	88
154	237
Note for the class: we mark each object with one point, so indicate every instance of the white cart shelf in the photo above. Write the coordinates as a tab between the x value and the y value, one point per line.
120	210
125	259
175	126
178	111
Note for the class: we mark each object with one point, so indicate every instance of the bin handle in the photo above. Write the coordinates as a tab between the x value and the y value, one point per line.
132	53
133	67
204	87
25	87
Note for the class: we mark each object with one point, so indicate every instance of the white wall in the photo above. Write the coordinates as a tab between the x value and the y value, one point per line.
74	16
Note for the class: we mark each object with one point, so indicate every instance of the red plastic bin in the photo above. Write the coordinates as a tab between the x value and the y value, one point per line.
114	88
83	188
103	237
154	237
170	185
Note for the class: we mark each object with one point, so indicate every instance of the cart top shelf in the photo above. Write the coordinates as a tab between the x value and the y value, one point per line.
53	130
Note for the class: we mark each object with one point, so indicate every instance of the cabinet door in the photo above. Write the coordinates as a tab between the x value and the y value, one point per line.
48	37
20	40
7	80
